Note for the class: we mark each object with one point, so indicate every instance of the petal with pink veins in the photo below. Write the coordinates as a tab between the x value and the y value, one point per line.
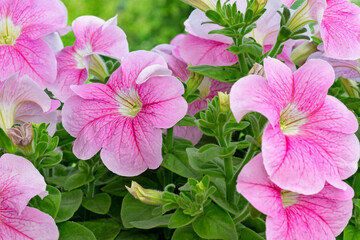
198	51
29	57
30	224
163	108
20	181
340	30
134	146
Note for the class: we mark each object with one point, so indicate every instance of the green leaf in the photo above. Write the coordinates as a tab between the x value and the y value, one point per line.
5	142
159	221
214	16
132	210
178	163
246	233
187	121
222	74
73	230
99	204
215	223
251	48
351	233
77	180
179	219
225	32
70	203
103	229
213	167
135	234
49	159
50	204
185	233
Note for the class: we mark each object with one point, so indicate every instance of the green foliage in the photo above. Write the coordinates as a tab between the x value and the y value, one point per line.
146	23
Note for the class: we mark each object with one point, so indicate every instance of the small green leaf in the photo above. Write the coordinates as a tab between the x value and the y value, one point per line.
187	121
103	229
246	233
213	167
50	204
215	223
77	180
70	203
99	204
73	230
185	233
179	219
222	74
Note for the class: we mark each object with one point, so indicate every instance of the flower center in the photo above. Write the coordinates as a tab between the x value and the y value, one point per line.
6	116
8	32
291	119
129	101
288	198
80	54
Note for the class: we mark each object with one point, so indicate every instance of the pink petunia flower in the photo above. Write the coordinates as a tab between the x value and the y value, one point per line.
22	100
94	37
310	139
19	182
291	215
22	49
124	116
209	88
339	22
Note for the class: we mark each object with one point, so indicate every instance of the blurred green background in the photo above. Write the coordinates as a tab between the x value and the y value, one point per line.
146	23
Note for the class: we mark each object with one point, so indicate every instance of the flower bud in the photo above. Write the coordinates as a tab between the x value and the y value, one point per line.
302	52
147	196
224	102
22	137
258	5
257	69
203	5
194	81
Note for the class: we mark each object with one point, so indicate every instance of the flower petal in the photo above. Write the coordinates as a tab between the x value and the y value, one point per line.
20	181
163	108
252	93
30	224
254	184
340	30
29	57
198	51
311	85
134	146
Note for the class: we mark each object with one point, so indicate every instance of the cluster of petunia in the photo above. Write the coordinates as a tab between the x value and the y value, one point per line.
308	146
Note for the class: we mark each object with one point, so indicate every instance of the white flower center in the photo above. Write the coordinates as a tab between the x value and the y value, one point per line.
80	54
129	101
8	32
291	119
288	198
6	116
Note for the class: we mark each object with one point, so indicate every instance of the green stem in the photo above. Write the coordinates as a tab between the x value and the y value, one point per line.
228	170
275	49
243	65
243	215
91	189
170	139
349	87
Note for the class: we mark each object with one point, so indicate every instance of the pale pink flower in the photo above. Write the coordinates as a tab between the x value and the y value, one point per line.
310	139
124	116
22	49
339	22
22	100
209	88
291	215
94	37
19	182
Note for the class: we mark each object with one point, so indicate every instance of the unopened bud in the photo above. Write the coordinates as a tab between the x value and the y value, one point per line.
22	137
147	196
203	5
224	102
194	81
257	69
258	5
302	52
